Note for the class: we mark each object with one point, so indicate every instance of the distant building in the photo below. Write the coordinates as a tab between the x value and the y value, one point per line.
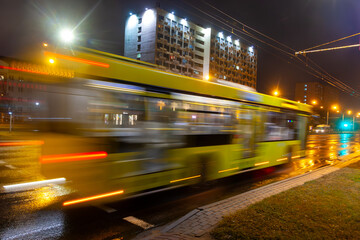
177	45
321	94
23	93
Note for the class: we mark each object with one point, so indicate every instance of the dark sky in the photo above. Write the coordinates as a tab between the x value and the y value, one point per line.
299	24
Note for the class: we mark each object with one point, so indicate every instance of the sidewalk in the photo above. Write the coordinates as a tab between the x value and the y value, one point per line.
198	223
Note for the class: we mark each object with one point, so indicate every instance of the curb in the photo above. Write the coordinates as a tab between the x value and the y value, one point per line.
201	220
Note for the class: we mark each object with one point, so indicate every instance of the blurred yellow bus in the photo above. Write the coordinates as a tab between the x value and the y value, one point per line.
117	127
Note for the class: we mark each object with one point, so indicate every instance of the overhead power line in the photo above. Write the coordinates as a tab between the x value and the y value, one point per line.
337	40
327	49
235	25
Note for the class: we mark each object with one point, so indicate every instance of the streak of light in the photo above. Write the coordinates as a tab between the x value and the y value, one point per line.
81	200
295	157
183	179
261	163
281	159
113	88
21	143
75	59
227	170
24	70
31	185
73	157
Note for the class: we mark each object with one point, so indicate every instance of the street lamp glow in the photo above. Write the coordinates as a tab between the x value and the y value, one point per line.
207	77
321	107
314	102
67	35
334	107
349	112
45	44
51	60
276	93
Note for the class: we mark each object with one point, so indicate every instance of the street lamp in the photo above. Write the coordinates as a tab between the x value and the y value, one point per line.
333	107
67	36
276	93
314	102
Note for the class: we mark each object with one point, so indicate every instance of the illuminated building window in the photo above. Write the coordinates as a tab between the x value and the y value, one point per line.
305	85
305	89
138	56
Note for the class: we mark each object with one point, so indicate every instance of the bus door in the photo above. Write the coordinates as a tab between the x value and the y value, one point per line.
251	131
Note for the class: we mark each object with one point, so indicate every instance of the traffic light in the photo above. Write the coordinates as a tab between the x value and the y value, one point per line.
345	125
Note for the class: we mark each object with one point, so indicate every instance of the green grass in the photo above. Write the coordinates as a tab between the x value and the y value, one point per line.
327	208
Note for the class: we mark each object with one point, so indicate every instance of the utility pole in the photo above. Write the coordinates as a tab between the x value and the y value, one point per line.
326	49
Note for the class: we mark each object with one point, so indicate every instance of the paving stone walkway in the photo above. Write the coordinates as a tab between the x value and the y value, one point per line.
200	221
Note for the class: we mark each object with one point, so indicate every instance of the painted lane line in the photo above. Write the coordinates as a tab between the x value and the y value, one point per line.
138	222
106	208
32	185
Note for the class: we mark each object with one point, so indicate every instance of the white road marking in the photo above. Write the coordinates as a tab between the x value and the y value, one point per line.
2	162
106	208
10	166
144	225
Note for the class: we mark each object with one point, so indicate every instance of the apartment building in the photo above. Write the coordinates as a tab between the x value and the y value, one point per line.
177	45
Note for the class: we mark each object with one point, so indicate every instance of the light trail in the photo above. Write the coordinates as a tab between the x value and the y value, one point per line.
32	185
86	199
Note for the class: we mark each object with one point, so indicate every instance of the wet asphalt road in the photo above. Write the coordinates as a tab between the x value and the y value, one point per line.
37	214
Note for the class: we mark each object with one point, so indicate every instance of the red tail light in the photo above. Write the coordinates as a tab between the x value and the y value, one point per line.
72	157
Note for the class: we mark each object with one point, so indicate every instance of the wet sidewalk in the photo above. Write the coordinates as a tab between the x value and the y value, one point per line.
198	223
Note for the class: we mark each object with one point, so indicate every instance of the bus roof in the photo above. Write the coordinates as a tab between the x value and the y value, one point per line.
88	62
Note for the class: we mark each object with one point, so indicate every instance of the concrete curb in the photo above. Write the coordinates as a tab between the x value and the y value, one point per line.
200	221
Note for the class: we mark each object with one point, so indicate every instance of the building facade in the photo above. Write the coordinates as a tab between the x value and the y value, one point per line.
316	93
177	45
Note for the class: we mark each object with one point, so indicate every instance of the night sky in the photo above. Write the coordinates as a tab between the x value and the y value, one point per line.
299	24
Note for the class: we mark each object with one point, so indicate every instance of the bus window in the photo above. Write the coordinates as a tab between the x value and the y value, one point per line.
280	126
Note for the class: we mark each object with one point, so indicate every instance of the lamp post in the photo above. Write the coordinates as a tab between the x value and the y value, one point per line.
334	107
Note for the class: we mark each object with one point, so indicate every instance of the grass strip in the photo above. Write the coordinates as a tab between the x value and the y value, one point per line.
326	208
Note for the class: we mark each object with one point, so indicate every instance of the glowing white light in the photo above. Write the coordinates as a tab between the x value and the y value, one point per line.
148	17
67	35
193	116
228	38
31	185
221	35
132	22
37	103
183	21
171	16
251	49
237	42
130	13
